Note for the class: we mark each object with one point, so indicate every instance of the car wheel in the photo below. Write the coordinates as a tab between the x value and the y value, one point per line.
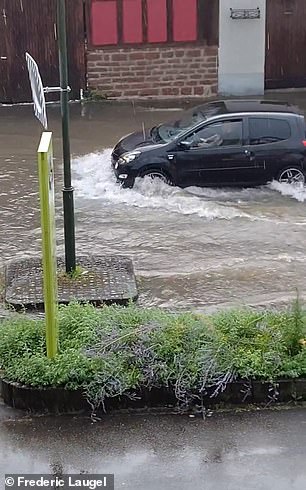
158	174
292	175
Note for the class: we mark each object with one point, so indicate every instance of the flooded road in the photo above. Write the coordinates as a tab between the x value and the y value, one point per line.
193	248
262	450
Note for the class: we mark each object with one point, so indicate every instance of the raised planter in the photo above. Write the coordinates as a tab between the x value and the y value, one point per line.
60	400
49	400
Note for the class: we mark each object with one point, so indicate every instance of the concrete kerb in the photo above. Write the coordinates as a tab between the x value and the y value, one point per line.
242	393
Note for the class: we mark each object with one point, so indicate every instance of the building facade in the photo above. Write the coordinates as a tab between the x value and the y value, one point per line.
262	46
242	47
153	48
156	48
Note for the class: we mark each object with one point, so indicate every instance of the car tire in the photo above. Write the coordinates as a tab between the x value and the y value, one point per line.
292	175
158	174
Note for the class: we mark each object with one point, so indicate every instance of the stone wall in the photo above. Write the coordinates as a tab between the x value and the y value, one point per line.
154	71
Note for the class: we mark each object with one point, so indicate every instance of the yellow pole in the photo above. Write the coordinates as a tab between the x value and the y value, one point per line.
47	212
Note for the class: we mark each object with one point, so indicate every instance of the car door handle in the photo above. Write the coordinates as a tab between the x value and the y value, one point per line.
250	155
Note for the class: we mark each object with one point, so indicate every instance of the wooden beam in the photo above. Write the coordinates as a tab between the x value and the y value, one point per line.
144	21
120	20
208	21
169	20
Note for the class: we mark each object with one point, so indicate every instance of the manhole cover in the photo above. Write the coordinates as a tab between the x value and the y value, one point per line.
102	279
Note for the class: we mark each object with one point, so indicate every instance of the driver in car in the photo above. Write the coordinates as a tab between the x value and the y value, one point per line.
211	141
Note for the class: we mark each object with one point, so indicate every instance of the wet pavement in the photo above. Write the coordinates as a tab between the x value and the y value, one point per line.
193	248
264	450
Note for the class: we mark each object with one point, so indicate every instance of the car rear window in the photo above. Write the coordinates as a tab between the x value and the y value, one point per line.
268	130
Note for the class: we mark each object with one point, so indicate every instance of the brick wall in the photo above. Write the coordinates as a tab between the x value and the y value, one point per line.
151	71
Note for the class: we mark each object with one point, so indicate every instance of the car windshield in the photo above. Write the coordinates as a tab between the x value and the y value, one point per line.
169	131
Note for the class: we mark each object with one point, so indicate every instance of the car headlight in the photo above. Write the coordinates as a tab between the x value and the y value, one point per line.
129	157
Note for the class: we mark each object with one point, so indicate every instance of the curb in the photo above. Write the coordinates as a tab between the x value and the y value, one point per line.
63	401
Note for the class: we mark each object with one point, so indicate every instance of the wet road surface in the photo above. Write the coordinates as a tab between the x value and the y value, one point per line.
194	248
240	451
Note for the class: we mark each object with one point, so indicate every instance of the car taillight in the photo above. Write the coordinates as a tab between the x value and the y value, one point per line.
304	142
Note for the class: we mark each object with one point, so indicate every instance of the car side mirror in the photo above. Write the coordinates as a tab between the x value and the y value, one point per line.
185	144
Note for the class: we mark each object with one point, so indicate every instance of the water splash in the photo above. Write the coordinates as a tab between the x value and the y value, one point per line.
94	179
297	192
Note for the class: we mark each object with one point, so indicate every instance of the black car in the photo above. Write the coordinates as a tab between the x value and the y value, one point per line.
222	143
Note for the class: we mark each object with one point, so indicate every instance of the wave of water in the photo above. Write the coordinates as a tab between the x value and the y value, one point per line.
297	192
94	179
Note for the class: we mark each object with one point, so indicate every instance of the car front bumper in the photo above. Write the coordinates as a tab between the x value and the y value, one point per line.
122	174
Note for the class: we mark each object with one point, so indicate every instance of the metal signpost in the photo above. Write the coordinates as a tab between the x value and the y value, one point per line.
38	92
68	189
46	181
47	212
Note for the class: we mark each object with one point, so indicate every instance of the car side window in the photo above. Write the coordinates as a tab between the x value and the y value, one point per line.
223	133
268	130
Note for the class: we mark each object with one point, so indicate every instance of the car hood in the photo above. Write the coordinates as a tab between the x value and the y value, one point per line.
132	142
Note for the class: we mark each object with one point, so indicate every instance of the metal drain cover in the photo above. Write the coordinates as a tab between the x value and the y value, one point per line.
102	279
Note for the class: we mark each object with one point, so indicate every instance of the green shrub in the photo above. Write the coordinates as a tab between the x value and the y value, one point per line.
19	338
113	350
70	369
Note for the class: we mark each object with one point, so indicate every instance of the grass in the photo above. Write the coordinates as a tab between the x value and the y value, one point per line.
113	350
95	95
79	277
77	273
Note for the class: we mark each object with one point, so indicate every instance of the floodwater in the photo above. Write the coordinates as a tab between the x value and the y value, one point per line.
193	248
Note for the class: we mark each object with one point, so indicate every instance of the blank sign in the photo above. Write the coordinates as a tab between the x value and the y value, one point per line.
185	20
132	21
104	28
157	21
